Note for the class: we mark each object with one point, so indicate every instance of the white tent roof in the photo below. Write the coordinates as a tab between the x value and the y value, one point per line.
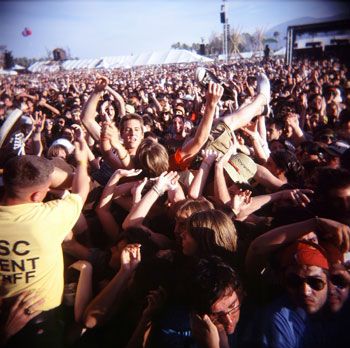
153	58
280	52
18	67
47	66
7	72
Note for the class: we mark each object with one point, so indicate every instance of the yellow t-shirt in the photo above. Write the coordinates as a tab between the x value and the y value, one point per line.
30	247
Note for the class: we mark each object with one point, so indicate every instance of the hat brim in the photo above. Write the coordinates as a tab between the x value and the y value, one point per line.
234	172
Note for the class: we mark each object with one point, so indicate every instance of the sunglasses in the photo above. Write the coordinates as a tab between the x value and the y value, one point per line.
294	281
339	281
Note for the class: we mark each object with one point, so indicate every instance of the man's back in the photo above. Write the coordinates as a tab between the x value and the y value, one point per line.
30	247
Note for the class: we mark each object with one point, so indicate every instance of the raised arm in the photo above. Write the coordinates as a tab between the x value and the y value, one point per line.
81	180
103	208
200	179
264	177
43	103
84	289
292	120
153	98
108	300
297	196
110	140
89	109
119	100
257	142
38	123
220	187
261	247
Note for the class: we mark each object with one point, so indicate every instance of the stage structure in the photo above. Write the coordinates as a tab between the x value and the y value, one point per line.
319	40
226	30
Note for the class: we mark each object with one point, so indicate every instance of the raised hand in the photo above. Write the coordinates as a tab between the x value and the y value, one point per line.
130	257
204	331
38	121
136	190
221	161
292	120
101	83
241	200
155	301
110	132
78	132
42	101
128	172
252	132
166	181
214	93
297	196
209	156
336	232
81	150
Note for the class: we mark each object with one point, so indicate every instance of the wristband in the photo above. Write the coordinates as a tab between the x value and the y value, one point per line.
122	159
82	163
234	213
157	190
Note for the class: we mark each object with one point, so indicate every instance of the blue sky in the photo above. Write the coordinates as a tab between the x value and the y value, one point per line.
122	27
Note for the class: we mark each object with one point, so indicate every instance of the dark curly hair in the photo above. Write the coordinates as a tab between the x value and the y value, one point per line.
211	279
288	162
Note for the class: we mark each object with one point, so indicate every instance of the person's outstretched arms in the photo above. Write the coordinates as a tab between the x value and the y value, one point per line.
108	300
264	177
142	205
193	146
109	140
152	97
89	109
200	179
261	247
119	100
164	182
81	180
38	123
220	187
102	210
296	196
43	103
254	135
84	289
292	120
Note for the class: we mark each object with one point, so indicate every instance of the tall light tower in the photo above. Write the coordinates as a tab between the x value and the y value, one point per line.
224	21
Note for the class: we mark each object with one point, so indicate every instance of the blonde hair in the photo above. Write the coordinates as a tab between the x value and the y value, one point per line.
190	206
152	158
213	231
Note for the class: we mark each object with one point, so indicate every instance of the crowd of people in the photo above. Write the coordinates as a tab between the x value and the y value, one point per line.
176	206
